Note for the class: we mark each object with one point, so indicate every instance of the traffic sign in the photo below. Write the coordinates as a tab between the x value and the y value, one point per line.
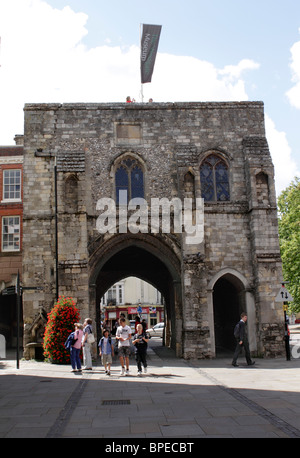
9	291
284	295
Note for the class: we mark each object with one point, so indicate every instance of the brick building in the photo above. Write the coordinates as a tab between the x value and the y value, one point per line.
217	151
11	216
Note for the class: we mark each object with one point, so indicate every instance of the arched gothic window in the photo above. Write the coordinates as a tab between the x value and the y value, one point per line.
214	177
129	177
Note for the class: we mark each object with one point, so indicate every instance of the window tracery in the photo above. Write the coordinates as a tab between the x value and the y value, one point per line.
129	177
214	177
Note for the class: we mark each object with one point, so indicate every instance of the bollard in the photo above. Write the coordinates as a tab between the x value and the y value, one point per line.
286	334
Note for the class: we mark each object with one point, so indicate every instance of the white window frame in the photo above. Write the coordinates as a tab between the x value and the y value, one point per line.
13	232
115	292
11	186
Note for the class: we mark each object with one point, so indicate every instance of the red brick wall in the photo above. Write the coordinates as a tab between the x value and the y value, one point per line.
10	262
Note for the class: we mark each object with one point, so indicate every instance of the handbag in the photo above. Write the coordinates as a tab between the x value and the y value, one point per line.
90	338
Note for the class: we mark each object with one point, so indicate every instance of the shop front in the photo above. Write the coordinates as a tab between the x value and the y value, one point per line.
151	314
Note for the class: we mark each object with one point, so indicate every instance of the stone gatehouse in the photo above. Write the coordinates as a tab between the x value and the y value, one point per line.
78	154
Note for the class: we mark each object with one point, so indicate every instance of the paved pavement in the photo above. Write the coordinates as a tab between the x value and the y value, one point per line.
175	400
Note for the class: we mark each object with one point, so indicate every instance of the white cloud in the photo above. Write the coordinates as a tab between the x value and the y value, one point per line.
36	42
43	60
235	71
294	93
285	166
183	78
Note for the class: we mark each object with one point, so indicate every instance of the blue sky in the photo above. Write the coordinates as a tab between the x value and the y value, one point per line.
88	50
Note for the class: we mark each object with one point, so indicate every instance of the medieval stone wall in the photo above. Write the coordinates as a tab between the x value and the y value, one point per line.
170	141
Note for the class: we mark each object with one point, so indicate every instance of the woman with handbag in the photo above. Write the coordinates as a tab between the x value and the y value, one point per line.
86	344
75	348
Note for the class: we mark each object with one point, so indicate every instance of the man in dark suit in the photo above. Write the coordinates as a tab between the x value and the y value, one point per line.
241	342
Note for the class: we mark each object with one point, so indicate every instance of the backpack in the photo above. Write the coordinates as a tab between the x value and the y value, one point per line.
70	341
102	339
236	331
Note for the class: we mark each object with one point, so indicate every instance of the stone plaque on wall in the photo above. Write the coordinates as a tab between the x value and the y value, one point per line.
128	133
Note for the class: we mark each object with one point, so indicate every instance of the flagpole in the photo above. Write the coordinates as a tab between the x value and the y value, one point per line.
149	45
142	93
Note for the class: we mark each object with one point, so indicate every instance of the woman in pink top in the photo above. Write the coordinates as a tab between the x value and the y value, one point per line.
75	349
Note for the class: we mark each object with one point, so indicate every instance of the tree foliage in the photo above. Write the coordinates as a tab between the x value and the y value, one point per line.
60	324
289	237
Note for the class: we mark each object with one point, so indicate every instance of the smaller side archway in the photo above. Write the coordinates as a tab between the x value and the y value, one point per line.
229	294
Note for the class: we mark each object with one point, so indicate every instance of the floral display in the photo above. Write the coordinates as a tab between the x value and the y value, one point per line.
60	324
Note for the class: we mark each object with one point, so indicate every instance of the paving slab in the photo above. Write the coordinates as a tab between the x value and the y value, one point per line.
176	399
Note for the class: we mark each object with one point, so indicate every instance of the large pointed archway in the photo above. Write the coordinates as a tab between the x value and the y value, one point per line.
149	258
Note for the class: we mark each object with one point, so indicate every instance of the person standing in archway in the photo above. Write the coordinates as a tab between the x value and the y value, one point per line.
141	342
241	341
106	350
123	335
137	322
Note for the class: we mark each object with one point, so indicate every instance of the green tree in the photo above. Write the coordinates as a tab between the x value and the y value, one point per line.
289	237
60	324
